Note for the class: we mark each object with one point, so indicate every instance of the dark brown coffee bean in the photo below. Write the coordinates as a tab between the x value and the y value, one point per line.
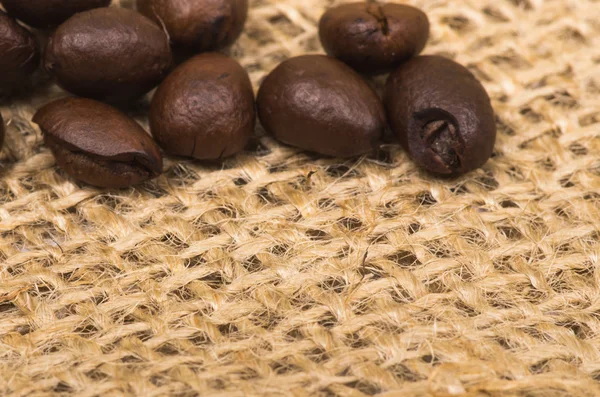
373	37
111	54
199	25
1	131
97	144
442	115
49	13
319	104
204	109
19	55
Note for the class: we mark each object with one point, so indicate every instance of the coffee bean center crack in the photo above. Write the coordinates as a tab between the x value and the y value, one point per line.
376	10
442	138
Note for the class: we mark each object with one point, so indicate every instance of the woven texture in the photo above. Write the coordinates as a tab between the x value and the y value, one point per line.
282	273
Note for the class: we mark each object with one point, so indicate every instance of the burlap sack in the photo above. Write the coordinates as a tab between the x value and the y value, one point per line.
282	273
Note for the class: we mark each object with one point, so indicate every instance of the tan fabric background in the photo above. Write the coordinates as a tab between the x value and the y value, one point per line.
280	273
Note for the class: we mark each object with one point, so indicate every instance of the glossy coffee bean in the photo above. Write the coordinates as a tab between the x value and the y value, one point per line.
111	54
204	109
49	13
1	131
19	55
442	115
97	144
374	38
198	25
319	104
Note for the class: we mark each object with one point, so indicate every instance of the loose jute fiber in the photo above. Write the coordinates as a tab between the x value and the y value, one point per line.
283	273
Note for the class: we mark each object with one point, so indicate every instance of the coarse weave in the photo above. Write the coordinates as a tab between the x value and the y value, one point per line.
281	273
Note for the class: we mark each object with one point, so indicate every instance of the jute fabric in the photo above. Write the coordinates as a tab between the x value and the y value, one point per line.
283	273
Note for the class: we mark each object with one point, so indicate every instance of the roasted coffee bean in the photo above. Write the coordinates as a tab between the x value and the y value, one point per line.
49	13
374	38
1	131
111	54
319	104
204	109
97	144
442	115
199	25
19	55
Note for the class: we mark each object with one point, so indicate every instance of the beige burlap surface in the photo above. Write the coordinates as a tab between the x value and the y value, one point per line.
282	273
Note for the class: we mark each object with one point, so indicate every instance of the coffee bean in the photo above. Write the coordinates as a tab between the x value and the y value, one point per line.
204	109
442	115
319	104
199	25
111	54
19	55
97	144
1	131
372	37
49	13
